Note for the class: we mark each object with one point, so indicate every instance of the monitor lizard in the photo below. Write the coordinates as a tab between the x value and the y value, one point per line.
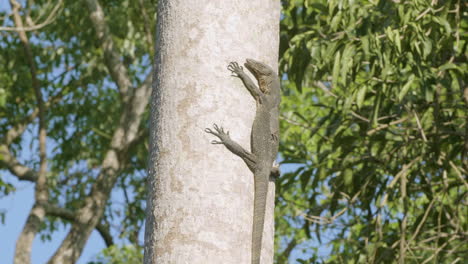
264	139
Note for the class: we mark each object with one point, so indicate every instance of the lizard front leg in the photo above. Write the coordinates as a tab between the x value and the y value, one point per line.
232	146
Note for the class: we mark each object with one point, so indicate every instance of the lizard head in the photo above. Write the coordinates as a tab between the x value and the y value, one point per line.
261	72
258	69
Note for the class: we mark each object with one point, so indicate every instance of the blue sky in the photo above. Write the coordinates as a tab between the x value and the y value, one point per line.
17	207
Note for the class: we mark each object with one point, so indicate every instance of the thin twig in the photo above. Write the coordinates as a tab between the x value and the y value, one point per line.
421	223
419	126
396	122
360	117
458	173
402	172
51	18
439	249
324	88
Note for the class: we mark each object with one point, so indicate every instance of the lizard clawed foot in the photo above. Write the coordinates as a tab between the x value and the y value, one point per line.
235	69
218	132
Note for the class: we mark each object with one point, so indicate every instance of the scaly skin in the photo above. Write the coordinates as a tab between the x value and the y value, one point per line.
264	139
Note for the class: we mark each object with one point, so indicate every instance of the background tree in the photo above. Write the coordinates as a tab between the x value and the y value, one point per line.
375	121
79	85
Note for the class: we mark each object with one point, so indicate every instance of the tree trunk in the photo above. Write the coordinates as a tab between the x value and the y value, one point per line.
200	201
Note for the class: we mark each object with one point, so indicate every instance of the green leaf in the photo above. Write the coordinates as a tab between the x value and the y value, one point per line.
305	178
448	66
429	93
361	94
336	69
365	45
335	21
346	62
348	177
3	97
427	47
397	40
389	33
404	90
443	22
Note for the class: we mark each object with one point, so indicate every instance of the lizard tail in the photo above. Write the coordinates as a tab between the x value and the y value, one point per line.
260	197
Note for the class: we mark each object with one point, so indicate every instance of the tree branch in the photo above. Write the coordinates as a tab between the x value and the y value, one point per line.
18	128
113	63
8	160
91	212
287	251
52	16
15	167
68	215
136	108
41	195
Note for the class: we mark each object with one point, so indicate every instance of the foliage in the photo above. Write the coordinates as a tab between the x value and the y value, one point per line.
374	122
83	106
120	255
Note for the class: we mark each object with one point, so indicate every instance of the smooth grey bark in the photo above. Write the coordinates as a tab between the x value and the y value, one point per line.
200	197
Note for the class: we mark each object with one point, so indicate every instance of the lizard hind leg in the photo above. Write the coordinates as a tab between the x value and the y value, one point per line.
275	172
